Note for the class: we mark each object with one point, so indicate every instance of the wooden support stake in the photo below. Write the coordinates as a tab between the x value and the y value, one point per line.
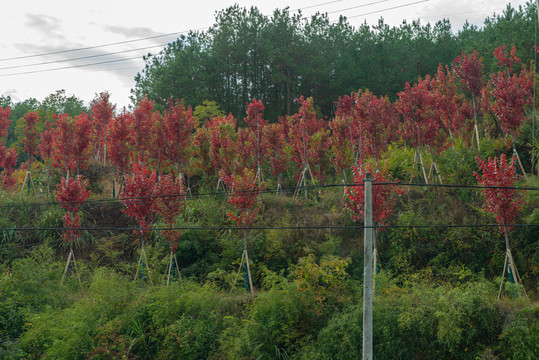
173	262
71	259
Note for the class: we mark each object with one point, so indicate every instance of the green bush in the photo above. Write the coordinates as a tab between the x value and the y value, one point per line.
519	339
416	322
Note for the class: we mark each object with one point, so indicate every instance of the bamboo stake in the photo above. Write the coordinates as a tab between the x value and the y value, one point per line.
247	261
503	276
239	270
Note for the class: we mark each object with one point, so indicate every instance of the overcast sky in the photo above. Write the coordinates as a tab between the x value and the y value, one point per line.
33	27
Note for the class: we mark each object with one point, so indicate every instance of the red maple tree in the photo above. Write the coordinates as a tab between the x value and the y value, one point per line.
384	196
469	69
422	125
278	158
503	203
511	94
454	109
120	138
180	126
202	159
170	203
138	197
8	157
31	137
71	194
506	59
244	196
102	112
72	142
302	126
342	147
142	129
223	149
256	124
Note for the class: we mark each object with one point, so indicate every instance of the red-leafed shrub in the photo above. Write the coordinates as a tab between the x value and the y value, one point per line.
71	194
170	203
383	196
244	197
138	197
504	204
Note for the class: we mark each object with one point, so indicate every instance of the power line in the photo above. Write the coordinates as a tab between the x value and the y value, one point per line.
81	58
312	6
382	10
357	7
304	227
71	67
150	199
99	46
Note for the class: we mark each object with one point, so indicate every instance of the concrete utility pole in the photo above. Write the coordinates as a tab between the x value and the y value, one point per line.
367	271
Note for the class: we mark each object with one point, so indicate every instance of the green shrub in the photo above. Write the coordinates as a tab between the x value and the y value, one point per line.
519	339
416	322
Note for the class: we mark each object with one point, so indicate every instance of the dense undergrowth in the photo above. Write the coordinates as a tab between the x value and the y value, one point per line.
435	297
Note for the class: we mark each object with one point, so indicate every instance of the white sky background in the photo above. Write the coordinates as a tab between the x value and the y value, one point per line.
30	27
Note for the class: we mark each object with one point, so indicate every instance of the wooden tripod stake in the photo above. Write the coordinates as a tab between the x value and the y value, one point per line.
70	259
143	260
173	263
28	178
245	259
302	182
512	267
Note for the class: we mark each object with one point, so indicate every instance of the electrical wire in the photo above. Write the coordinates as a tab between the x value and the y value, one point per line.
82	57
102	45
304	227
357	7
382	10
312	6
71	67
140	200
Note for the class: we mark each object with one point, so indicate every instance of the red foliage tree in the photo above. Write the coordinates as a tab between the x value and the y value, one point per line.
5	120
383	196
319	152
256	124
422	125
506	59
71	194
72	142
511	94
142	129
504	204
180	126
244	197
120	138
342	147
138	197
278	158
223	149
8	160
170	203
302	126
157	153
31	137
453	107
202	159
246	149
102	112
469	69
377	123
8	157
